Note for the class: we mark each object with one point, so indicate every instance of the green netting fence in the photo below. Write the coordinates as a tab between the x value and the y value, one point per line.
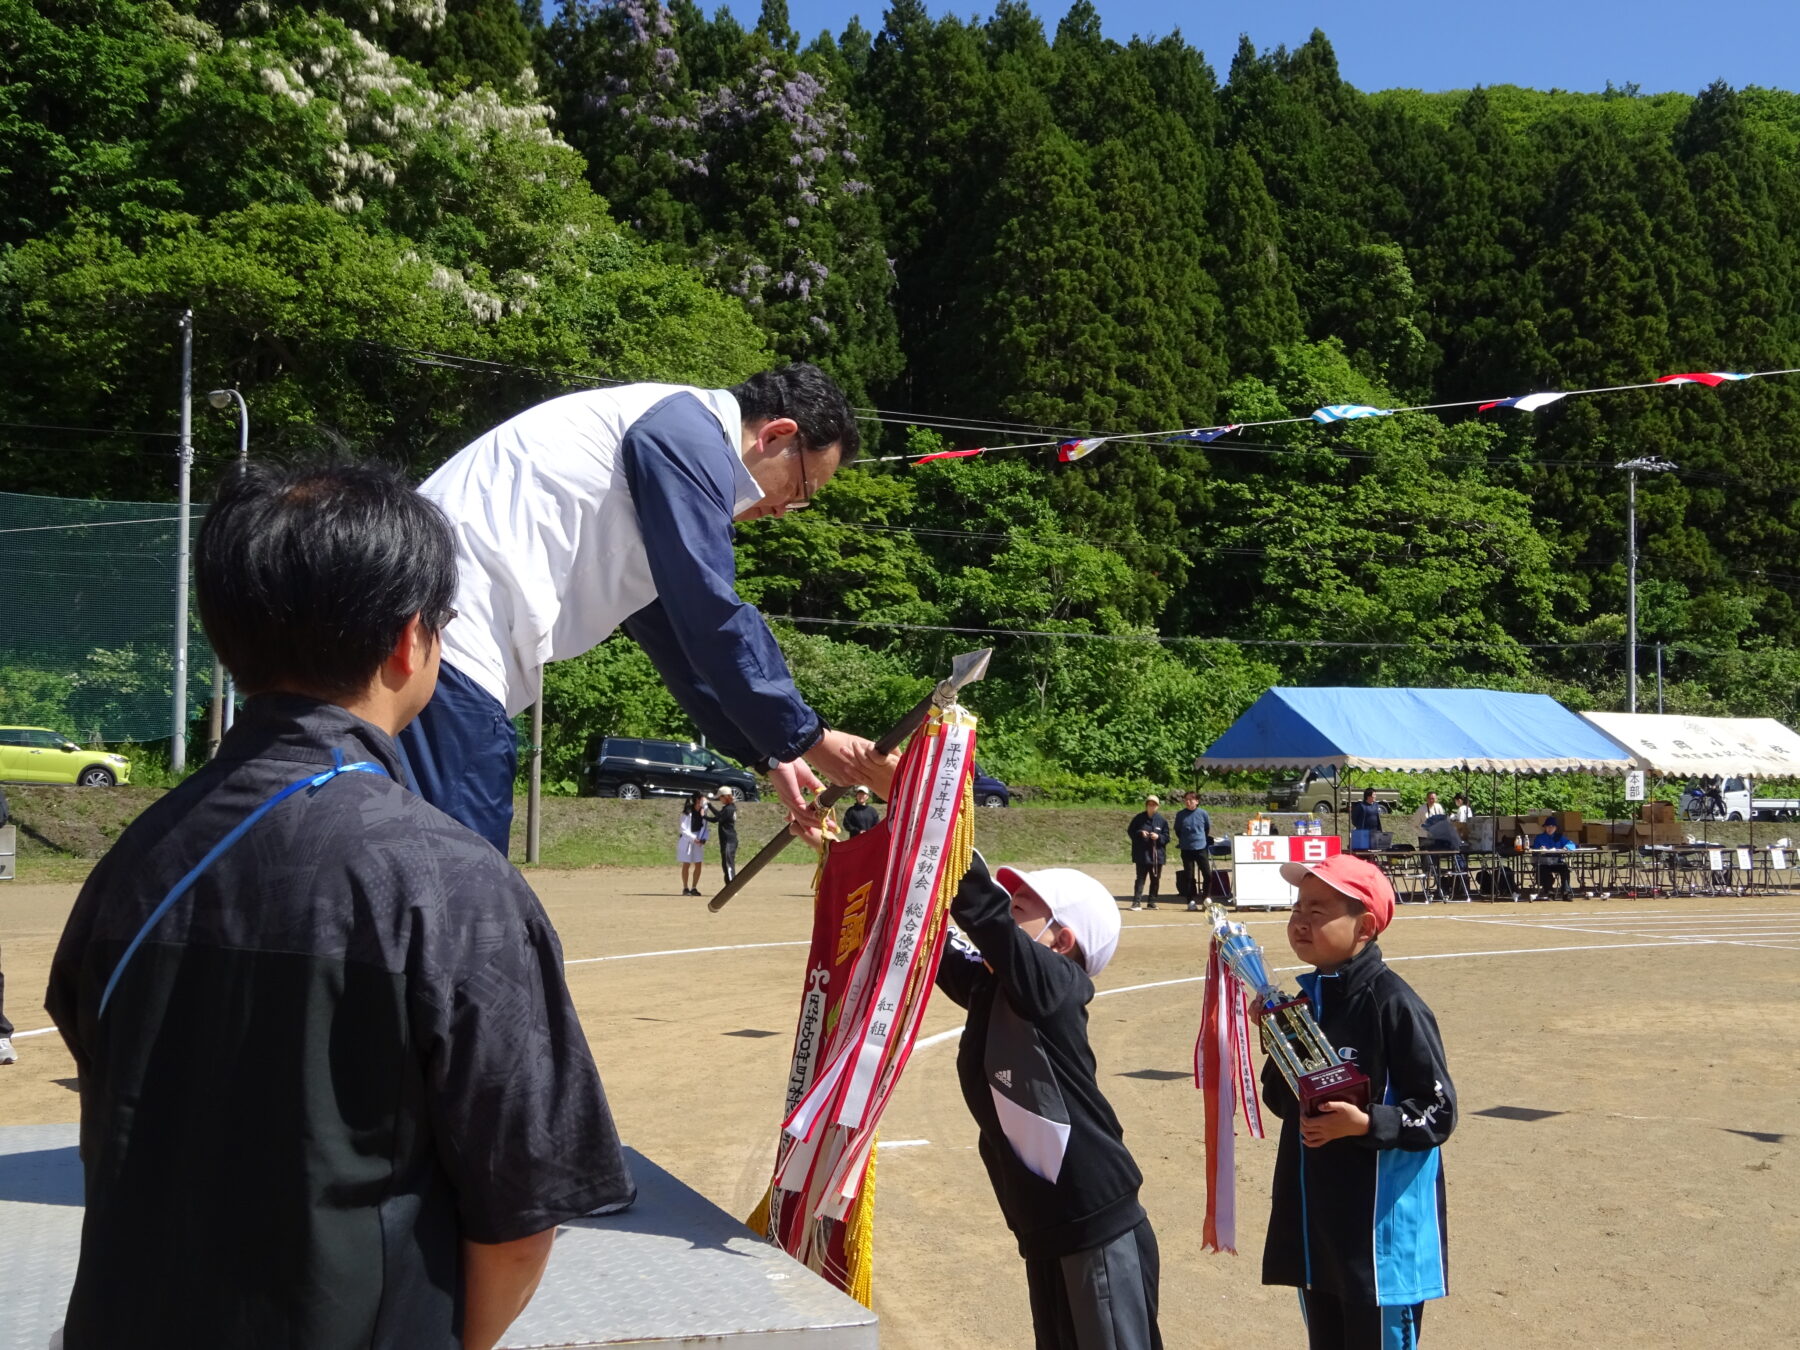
87	626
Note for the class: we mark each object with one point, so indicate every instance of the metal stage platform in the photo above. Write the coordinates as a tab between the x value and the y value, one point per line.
674	1270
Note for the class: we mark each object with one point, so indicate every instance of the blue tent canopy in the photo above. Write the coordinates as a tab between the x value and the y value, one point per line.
1415	730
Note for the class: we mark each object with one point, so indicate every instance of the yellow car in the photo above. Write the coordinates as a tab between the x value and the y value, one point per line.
40	755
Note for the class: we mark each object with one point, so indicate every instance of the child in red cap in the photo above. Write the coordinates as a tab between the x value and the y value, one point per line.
1357	1220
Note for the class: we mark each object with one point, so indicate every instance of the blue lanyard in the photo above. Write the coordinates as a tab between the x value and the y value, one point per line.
309	784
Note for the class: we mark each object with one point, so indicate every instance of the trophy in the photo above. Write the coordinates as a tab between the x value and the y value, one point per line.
1290	1036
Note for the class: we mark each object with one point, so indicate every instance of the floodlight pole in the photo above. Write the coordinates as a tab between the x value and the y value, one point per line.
184	451
1633	467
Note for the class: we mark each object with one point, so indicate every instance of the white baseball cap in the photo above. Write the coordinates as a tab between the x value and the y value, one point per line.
1079	903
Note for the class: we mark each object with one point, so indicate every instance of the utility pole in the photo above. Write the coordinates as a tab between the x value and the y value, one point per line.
1633	467
185	453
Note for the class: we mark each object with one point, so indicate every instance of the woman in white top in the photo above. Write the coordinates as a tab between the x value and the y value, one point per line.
690	848
1460	808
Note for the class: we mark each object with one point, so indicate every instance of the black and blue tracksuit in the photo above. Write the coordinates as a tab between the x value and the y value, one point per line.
1361	1221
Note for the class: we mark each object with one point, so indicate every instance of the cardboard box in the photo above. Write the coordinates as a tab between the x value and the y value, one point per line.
1597	835
1657	813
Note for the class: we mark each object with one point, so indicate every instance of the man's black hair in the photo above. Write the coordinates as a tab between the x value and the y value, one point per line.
307	575
809	396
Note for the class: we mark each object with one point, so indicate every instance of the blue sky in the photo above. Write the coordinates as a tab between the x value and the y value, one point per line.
1447	44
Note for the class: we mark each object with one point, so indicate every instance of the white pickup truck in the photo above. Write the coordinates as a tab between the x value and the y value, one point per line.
1735	799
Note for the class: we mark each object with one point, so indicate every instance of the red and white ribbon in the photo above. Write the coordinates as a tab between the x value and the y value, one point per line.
1225	1071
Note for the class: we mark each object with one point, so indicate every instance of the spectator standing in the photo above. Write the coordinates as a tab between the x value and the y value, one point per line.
862	816
1193	835
8	1055
690	843
1365	819
1460	810
1149	833
1428	812
725	817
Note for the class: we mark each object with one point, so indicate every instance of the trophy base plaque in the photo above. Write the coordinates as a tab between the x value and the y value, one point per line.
1336	1083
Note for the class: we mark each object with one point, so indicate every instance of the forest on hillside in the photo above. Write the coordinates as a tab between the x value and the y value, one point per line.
397	222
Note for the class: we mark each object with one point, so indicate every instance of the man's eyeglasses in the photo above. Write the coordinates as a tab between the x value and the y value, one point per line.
805	498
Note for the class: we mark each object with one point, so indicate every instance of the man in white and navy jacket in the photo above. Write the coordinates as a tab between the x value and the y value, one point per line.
612	509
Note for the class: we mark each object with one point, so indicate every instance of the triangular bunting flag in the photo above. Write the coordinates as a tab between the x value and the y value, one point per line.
1711	378
948	454
1347	412
1070	451
1524	402
1205	434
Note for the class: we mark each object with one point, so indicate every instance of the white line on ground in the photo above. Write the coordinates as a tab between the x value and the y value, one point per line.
683	951
902	1143
954	1032
1670	940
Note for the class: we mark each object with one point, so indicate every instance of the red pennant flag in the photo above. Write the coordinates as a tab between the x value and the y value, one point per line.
949	454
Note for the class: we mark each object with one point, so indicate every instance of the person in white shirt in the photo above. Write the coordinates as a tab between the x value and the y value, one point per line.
1433	807
1460	810
614	509
690	843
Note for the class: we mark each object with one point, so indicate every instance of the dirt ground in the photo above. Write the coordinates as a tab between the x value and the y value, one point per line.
1624	1172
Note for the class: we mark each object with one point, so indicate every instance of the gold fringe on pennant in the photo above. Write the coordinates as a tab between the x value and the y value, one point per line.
859	1239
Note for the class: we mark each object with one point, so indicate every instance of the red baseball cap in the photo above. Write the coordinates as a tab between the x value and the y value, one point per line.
1349	875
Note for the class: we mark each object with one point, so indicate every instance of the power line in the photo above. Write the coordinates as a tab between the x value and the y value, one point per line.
1162	640
88	431
89	525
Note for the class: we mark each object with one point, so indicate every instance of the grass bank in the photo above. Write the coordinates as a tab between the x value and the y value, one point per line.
63	830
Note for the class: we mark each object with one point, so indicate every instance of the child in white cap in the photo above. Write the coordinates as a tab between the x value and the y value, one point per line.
1023	964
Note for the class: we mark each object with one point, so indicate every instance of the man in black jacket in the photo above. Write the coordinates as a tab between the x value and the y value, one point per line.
862	816
1054	1150
1149	834
1357	1215
724	815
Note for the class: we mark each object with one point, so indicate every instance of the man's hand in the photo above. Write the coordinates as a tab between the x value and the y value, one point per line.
793	781
1339	1120
848	760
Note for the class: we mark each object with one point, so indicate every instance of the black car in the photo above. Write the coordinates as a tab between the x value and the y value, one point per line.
631	768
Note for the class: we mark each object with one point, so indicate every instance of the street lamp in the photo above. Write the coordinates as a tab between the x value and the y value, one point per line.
1633	467
221	398
225	711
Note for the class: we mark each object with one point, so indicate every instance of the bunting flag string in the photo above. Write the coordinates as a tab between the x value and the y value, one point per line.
1711	378
1068	451
1524	403
1205	435
1348	412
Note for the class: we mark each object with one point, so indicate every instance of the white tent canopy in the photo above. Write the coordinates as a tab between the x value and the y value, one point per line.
1687	747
